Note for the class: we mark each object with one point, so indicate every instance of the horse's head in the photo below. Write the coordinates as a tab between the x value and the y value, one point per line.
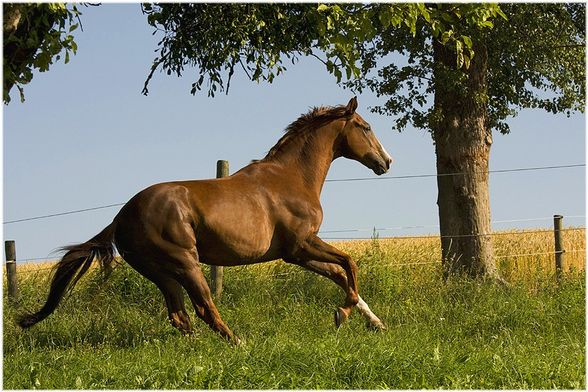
360	143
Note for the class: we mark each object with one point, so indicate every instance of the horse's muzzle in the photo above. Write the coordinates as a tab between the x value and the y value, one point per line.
380	165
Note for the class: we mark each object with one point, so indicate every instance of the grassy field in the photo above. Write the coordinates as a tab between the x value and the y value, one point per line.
460	334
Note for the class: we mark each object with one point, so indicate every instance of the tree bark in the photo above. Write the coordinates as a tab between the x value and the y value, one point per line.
462	145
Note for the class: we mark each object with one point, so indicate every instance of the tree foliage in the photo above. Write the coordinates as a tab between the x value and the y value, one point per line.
541	49
261	38
249	32
35	35
535	60
386	47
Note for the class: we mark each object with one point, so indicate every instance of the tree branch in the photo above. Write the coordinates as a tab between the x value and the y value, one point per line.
244	69
319	59
155	65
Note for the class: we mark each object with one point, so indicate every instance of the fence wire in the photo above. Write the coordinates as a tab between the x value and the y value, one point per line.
355	230
456	174
375	230
503	233
408	237
523	169
31	270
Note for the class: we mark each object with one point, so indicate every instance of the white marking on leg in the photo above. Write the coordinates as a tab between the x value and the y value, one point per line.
365	310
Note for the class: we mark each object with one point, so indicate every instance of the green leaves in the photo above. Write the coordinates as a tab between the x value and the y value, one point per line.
322	8
256	40
35	38
257	36
530	48
535	60
467	41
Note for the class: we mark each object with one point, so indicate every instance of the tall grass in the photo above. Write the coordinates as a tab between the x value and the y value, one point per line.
460	334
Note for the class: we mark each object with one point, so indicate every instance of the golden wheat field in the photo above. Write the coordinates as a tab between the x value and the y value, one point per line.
518	253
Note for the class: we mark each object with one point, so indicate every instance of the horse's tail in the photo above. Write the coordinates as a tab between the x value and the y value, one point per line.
70	269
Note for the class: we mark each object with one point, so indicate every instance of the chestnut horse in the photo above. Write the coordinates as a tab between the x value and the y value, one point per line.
268	210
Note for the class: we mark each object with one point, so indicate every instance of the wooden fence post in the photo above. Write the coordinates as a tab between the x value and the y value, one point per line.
559	250
10	252
216	272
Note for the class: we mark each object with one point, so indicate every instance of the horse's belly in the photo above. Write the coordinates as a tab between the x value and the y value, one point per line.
227	246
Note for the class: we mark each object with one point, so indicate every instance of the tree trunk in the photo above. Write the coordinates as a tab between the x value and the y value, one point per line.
462	145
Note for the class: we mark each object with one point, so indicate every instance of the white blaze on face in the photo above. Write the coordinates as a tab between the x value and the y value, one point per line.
386	155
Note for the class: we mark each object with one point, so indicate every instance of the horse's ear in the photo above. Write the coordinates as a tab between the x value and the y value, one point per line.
351	106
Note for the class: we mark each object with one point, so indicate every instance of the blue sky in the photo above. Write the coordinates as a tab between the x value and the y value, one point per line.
86	137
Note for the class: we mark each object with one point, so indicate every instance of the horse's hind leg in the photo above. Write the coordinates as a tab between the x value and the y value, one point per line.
199	293
338	275
192	279
174	299
169	287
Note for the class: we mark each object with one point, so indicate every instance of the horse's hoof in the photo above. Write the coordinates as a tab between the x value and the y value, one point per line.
337	318
340	317
377	326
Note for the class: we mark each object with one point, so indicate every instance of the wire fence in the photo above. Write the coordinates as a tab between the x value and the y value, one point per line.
503	233
29	269
375	230
284	274
520	169
431	226
391	265
380	178
408	237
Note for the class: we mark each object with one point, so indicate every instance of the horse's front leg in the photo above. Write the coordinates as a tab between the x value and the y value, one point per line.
313	248
338	275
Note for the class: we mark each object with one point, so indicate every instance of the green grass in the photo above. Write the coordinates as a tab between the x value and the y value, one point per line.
461	334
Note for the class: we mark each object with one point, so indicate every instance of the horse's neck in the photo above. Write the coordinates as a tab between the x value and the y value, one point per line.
310	160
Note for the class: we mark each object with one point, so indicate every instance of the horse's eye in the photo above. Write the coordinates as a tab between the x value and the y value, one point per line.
367	129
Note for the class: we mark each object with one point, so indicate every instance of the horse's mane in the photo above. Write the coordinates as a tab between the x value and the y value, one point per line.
303	126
